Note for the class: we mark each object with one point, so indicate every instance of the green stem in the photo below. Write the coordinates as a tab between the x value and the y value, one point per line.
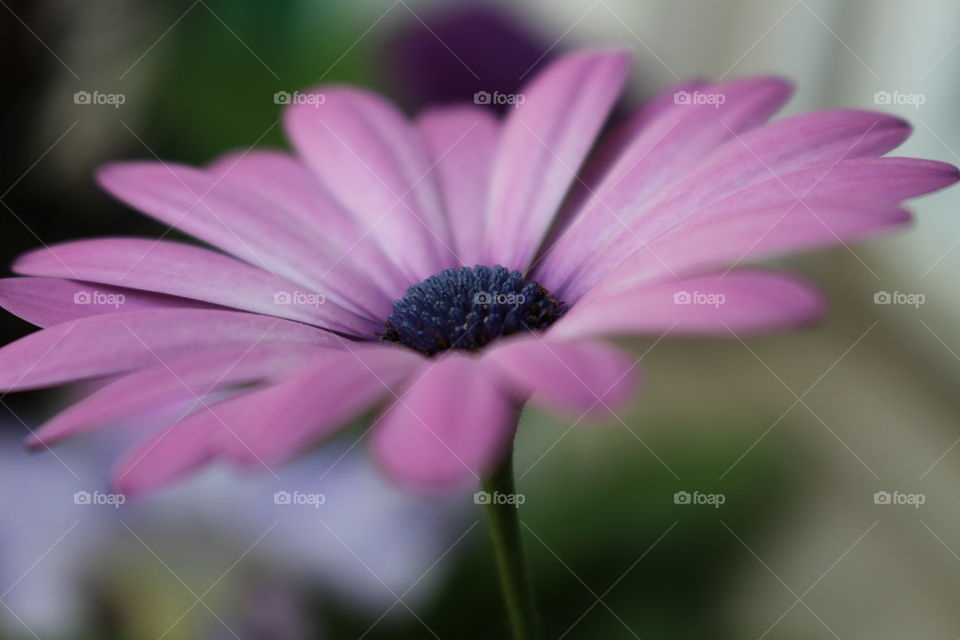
504	522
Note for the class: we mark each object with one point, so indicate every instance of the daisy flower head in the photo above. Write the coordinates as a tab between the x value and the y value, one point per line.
449	268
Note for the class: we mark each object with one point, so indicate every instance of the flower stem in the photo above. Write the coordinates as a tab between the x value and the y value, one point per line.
504	519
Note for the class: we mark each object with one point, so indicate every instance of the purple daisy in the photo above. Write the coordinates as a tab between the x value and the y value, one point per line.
455	267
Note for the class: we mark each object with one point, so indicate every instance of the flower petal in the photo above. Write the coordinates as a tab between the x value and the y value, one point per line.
240	223
450	426
190	377
117	343
462	142
747	236
810	207
45	302
315	402
749	301
285	181
165	457
372	160
268	425
611	149
189	272
825	137
660	153
575	377
545	140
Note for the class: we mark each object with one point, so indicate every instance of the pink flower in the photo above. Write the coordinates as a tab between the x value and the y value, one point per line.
302	322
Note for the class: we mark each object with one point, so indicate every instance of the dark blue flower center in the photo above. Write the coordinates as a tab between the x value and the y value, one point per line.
467	308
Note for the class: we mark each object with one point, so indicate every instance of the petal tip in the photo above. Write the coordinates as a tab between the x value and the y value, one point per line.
33	443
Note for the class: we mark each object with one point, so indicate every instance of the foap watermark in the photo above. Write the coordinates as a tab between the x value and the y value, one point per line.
298	97
99	298
96	97
299	298
712	499
699	298
898	97
899	498
499	99
485	497
509	299
899	297
98	498
714	99
299	499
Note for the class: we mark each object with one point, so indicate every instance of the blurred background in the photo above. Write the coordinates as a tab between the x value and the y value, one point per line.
793	441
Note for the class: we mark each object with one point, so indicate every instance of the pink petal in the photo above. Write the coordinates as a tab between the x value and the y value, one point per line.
888	179
462	142
243	225
286	182
611	149
266	426
741	302
574	377
177	379
660	153
810	207
166	457
747	235
822	138
189	272
545	140
273	425
450	426
117	343
372	160
48	301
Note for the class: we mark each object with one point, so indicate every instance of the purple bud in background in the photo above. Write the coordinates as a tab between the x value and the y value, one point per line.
455	53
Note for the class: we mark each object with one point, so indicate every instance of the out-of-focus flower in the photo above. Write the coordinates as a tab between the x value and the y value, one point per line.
356	536
452	53
271	611
353	279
